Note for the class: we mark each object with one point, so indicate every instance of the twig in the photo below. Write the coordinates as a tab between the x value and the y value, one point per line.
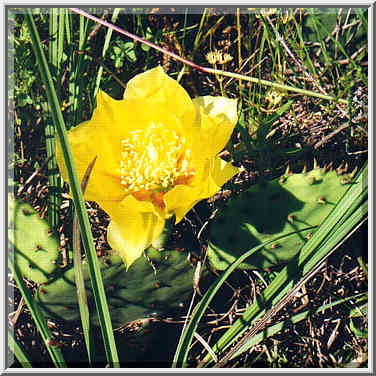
346	20
228	313
350	25
206	345
274	84
34	174
97	27
18	312
260	277
353	56
358	152
329	136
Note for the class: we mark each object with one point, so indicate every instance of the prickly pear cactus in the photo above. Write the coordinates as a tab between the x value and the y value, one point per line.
36	249
152	285
292	202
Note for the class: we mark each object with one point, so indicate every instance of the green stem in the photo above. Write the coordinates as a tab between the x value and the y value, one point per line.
79	275
36	314
274	84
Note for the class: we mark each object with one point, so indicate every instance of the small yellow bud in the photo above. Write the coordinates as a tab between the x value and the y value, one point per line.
211	57
225	58
274	97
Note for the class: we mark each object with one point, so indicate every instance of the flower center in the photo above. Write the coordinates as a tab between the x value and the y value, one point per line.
154	159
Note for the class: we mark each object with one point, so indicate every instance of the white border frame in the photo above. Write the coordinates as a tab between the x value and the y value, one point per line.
316	3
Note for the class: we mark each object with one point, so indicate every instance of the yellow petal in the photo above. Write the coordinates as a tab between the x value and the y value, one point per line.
156	88
134	226
101	136
217	119
218	106
220	172
87	141
183	198
114	119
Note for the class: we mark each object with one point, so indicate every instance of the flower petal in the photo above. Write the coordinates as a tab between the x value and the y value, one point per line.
111	123
87	141
134	226
101	136
220	172
112	119
156	88
183	198
217	119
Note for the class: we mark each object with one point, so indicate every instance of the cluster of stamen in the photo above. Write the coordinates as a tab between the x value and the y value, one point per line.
154	159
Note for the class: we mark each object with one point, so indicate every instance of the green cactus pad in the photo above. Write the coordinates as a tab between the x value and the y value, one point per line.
264	212
36	249
140	292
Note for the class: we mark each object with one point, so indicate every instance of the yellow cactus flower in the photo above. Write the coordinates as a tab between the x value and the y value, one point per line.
156	156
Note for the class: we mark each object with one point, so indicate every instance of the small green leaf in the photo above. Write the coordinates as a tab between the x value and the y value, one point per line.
117	50
118	62
359	333
130	52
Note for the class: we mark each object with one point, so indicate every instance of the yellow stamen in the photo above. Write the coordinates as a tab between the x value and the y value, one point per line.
153	159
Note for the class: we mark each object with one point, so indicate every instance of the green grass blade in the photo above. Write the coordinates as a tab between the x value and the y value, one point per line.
308	257
181	354
60	39
79	276
335	237
53	25
211	31
199	31
243	128
77	78
105	48
298	28
268	332
282	283
265	126
87	238
17	350
277	302
184	29
71	78
68	27
54	198
36	313
364	22
357	189
319	25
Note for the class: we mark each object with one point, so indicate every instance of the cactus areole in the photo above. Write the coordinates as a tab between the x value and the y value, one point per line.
156	156
36	248
139	292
